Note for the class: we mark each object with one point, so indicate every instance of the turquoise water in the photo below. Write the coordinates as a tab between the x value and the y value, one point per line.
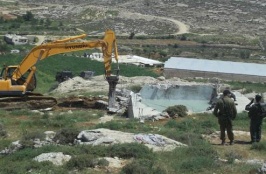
192	105
194	97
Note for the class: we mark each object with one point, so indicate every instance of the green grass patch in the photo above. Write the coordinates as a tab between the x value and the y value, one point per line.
143	166
131	150
248	86
260	146
83	157
195	125
195	159
131	125
242	122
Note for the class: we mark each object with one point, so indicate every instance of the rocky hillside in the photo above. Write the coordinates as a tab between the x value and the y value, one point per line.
208	16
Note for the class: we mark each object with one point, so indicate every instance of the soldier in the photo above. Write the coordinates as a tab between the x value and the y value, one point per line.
225	110
215	98
256	117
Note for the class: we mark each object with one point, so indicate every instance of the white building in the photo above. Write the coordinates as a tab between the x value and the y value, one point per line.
130	59
227	70
16	39
139	61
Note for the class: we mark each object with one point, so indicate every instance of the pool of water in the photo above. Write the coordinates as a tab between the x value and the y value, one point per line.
195	98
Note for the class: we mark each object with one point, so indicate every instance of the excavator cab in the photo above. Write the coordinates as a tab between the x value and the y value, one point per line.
8	71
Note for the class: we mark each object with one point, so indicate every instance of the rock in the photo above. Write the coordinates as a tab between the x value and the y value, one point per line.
104	140
87	136
106	118
106	136
114	162
57	158
161	78
262	170
49	135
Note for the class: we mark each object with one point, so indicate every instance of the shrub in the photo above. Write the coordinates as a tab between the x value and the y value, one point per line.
135	88
193	125
197	163
30	166
62	121
66	136
3	132
196	158
29	137
171	124
142	166
261	146
103	162
204	150
177	110
207	126
244	54
248	90
113	125
81	162
129	150
187	138
231	156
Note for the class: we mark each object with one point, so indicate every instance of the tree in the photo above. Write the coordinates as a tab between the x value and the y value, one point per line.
2	20
60	24
163	53
41	22
48	22
14	25
245	54
176	45
3	47
147	2
132	34
183	37
28	16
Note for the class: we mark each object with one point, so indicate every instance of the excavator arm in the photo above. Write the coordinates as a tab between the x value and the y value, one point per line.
14	82
41	52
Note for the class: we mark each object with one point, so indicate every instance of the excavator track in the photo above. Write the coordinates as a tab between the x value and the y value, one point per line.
33	101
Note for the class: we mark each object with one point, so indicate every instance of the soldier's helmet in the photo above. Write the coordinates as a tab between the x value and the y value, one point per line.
258	98
226	92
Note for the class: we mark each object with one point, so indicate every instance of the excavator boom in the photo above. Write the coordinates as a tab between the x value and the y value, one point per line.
41	52
14	83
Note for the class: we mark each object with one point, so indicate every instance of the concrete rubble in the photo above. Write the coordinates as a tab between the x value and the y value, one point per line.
154	97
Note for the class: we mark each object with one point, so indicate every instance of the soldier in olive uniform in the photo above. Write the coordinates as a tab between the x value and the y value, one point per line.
255	118
225	110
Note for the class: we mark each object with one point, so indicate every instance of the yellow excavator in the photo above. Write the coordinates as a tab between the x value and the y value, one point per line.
18	82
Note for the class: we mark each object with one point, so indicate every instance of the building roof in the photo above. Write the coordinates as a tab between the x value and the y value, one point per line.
215	66
138	59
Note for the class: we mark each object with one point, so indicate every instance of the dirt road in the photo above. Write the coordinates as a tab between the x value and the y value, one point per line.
181	27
